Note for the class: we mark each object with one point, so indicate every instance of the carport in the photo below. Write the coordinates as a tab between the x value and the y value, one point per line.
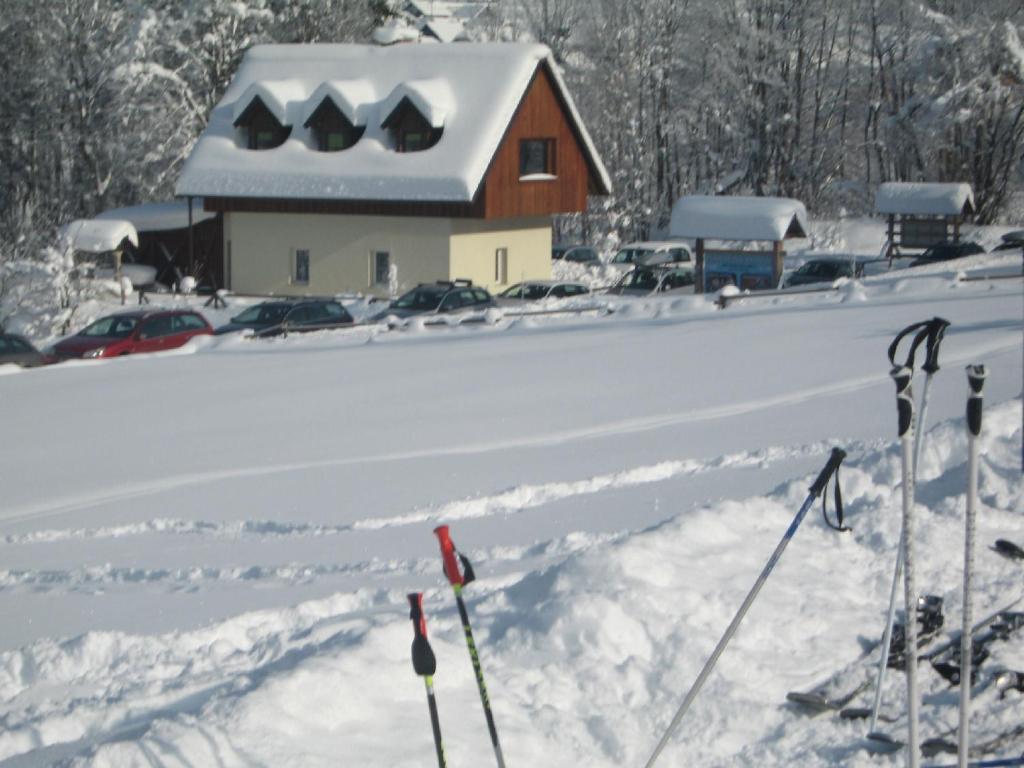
738	220
922	214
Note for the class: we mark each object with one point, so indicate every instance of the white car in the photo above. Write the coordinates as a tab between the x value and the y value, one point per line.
539	290
643	254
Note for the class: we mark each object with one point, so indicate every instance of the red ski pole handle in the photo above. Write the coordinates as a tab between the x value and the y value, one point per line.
448	557
423	661
419	621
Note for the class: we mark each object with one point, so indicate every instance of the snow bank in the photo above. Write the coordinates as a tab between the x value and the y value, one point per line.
99	235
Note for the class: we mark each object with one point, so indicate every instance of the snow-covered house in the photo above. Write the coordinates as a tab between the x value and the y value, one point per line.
921	214
334	165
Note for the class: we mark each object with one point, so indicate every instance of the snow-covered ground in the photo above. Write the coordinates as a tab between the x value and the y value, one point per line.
204	554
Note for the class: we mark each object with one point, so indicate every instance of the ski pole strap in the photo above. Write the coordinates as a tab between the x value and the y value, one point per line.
930	331
904	397
451	559
838	499
975	380
832	465
423	661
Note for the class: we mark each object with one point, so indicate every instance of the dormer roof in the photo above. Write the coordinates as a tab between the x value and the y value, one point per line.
471	90
355	99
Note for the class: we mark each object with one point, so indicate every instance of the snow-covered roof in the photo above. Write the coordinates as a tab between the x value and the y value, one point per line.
281	97
924	198
98	235
353	99
395	31
471	89
433	98
446	30
738	218
158	217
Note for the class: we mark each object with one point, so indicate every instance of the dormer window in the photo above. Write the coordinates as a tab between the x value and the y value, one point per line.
332	131
262	130
410	131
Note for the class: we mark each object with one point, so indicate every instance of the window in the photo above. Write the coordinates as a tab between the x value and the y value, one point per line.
156	327
501	266
381	261
332	131
537	157
301	274
262	129
410	131
184	323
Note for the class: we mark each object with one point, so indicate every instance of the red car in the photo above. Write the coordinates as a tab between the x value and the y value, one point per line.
132	332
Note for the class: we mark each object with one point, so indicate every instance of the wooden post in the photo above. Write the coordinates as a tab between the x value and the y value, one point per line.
891	246
191	241
698	270
777	257
956	229
119	275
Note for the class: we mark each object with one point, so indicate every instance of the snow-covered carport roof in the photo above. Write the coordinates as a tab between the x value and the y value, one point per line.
924	199
738	218
158	217
99	236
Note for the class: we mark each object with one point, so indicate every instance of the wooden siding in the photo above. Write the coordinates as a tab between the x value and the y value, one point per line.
540	115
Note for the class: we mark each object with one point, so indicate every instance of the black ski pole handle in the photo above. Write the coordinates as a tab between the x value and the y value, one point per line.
423	660
904	397
936	330
976	381
831	466
930	331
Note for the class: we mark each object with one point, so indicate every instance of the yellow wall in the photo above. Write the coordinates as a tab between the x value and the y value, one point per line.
261	247
474	243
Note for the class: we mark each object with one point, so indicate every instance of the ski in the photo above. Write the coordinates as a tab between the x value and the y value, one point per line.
823	697
1008	549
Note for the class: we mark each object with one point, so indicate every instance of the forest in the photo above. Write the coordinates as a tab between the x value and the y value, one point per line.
816	99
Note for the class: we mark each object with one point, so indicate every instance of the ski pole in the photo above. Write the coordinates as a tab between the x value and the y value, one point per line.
817	488
931	331
424	663
458	578
905	411
975	382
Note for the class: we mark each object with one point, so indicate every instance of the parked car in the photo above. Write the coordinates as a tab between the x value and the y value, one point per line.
280	316
647	253
18	350
1011	241
945	252
538	290
823	271
133	332
442	297
580	254
656	278
101	267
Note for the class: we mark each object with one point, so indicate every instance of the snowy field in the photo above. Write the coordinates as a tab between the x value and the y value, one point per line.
204	554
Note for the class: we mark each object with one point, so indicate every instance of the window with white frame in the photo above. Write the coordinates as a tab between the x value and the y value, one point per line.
300	272
501	266
380	267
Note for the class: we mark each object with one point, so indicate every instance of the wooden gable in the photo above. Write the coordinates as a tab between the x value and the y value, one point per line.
542	115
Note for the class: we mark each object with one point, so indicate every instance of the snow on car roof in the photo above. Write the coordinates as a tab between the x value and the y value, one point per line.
738	218
924	198
98	235
158	217
654	245
470	90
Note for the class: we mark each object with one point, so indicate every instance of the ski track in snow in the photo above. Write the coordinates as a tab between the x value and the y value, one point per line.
124	699
627	426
